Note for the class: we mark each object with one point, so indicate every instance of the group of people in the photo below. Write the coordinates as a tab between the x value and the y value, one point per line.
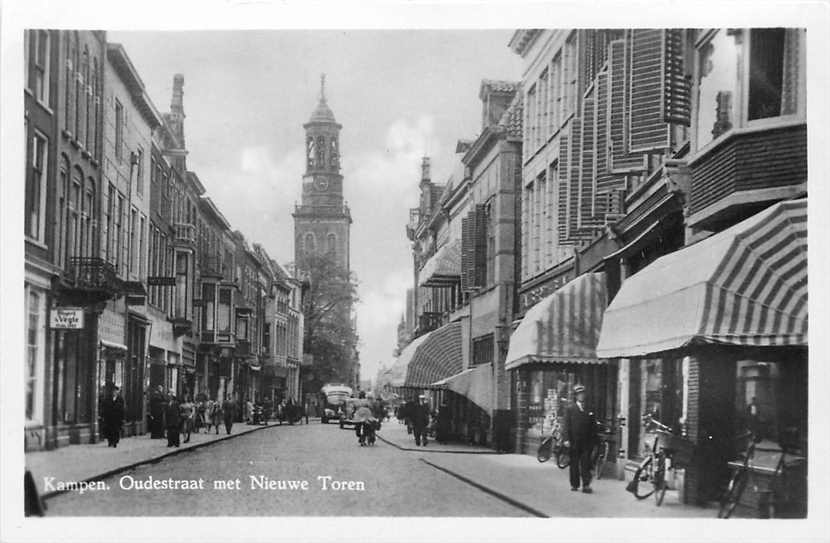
168	416
417	417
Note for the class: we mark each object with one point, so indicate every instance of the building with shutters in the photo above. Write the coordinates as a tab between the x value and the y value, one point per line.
464	252
644	150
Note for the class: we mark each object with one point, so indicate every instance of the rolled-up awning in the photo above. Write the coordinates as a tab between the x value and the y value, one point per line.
746	286
439	356
444	267
475	384
398	369
563	327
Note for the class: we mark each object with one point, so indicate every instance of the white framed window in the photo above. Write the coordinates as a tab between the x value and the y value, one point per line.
747	77
38	57
35	322
36	187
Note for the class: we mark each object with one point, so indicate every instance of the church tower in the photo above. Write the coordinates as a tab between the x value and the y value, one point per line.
322	220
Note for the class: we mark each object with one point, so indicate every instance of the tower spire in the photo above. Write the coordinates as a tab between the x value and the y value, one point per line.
323	88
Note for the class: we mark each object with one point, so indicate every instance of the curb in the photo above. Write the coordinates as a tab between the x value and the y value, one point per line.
156	459
425	450
486	489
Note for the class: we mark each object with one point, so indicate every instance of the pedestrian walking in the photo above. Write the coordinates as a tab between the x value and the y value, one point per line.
228	412
172	421
157	404
420	421
580	436
186	413
112	416
214	415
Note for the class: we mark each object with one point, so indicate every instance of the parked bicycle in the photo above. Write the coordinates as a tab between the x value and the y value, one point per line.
602	451
668	452
782	496
553	445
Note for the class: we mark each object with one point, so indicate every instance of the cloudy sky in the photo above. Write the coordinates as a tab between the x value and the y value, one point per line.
398	94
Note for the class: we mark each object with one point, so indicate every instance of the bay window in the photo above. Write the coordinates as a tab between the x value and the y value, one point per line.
744	76
182	286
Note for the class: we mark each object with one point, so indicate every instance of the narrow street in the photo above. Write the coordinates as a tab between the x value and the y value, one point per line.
396	482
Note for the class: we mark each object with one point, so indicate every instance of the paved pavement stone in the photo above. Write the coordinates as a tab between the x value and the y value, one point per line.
396	482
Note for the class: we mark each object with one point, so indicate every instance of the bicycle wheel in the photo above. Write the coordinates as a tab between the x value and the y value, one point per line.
733	492
659	480
643	475
602	458
545	450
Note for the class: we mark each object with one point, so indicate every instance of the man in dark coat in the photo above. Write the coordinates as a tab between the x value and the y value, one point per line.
172	421
158	402
228	412
420	421
112	416
580	436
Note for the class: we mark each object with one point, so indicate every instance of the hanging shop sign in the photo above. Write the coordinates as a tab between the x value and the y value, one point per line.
160	281
67	318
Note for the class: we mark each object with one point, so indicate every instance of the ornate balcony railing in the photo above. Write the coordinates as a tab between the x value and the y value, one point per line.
90	279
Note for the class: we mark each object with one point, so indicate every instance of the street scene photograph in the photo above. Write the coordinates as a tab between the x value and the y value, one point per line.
449	273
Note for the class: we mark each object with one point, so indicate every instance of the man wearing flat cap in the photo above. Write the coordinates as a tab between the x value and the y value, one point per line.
580	434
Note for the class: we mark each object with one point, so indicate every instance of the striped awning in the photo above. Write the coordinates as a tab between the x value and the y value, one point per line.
444	267
563	327
746	286
399	368
436	358
476	384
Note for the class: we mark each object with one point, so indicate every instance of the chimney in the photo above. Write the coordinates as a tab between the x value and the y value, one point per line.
177	103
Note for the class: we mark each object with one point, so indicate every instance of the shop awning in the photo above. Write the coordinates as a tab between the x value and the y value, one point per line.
444	267
439	356
398	370
474	383
563	327
746	286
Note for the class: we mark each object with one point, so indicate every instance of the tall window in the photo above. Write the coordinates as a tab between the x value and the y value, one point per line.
133	240
766	72
68	83
78	84
309	243
717	86
75	218
119	130
96	107
109	225
208	306
142	258
33	352
63	203
490	254
224	314
118	239
181	307
86	89
332	244
88	214
38	65
139	176
36	188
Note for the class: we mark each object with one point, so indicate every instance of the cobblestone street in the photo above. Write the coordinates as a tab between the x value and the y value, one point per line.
396	482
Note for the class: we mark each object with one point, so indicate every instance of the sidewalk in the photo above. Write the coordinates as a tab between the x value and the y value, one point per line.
95	461
544	489
395	434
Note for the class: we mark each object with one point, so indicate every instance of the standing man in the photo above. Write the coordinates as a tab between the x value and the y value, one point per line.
172	420
112	415
157	405
228	411
420	421
580	432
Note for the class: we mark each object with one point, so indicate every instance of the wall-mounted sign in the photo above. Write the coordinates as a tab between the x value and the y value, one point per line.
67	318
160	281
